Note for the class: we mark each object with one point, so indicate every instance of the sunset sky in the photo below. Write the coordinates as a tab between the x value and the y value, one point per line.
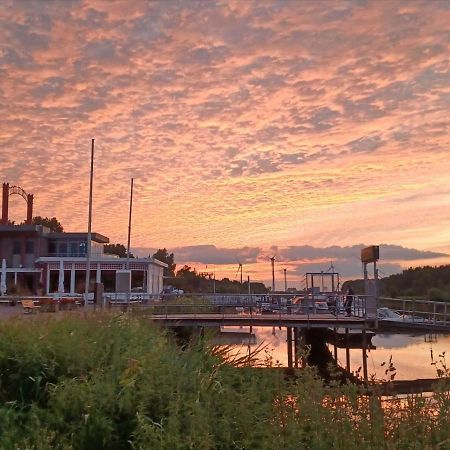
300	129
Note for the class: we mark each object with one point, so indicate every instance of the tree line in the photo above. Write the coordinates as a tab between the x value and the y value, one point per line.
427	282
190	280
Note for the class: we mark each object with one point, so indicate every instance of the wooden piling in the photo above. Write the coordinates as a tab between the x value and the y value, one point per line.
289	346
364	354
347	351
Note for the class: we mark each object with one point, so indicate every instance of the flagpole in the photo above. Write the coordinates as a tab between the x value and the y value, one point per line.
89	235
129	224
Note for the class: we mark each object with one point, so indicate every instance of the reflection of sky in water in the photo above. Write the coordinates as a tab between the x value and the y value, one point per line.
411	354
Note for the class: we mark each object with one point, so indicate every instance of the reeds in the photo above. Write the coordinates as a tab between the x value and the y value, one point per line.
114	381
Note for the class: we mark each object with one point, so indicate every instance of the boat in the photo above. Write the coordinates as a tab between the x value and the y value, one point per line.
389	315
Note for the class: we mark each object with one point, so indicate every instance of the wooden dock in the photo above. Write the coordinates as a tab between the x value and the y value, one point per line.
319	320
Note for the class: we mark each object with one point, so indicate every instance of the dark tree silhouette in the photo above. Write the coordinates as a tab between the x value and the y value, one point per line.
116	249
54	224
163	255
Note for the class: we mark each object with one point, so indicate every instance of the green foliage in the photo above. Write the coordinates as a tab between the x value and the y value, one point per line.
163	255
116	249
116	382
52	223
431	283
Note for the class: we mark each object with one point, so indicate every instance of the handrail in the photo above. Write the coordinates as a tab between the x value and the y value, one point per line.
419	311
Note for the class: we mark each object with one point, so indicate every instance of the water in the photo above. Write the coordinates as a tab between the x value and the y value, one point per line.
411	353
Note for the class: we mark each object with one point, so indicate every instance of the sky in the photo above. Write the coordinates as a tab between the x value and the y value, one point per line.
303	130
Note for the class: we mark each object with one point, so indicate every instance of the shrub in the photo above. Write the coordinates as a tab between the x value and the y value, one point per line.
115	381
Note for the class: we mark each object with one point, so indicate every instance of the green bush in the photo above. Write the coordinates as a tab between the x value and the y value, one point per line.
438	294
111	381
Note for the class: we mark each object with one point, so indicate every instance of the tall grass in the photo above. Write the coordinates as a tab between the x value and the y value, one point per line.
114	381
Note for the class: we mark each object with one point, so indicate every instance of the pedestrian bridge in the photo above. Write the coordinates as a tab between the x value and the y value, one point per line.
281	310
204	319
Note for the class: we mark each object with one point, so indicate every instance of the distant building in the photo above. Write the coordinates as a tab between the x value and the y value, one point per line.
33	255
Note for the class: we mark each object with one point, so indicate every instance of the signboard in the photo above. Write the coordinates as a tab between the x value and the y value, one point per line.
370	254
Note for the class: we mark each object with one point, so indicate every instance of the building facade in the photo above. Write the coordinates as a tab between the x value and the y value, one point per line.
34	257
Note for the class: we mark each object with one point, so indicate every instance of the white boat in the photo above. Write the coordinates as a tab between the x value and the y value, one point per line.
389	315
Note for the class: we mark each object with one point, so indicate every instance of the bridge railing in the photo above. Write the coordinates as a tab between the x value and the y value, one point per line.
203	306
419	311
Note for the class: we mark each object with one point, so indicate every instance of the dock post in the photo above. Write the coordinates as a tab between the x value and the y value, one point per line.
296	348
289	346
347	352
364	352
335	347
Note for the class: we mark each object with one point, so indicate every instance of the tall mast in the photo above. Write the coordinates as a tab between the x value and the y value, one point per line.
129	224
89	235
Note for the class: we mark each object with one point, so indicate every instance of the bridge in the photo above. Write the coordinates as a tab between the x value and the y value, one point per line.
290	310
261	320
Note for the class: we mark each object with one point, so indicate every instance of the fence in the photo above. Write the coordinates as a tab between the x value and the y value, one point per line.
223	304
419	311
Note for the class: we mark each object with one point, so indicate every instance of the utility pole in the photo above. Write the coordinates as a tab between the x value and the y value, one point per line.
285	281
272	260
89	236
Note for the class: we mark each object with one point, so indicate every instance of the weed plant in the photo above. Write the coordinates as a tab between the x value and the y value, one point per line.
115	381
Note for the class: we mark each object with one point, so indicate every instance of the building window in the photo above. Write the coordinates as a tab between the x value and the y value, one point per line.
17	248
73	249
63	249
29	247
52	247
83	249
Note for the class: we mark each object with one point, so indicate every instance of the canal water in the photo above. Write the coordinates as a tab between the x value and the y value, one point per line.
411	354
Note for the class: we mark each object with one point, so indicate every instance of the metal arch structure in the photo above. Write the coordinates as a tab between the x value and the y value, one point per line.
16	190
19	191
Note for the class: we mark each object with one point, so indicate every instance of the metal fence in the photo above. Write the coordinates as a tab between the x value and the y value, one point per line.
278	304
419	311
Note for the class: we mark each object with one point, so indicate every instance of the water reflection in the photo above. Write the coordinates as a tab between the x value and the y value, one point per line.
411	353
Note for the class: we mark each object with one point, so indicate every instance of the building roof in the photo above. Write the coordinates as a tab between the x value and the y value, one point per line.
9	228
95	260
96	237
46	232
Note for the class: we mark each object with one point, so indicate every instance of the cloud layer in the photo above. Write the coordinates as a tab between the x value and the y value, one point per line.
245	124
297	260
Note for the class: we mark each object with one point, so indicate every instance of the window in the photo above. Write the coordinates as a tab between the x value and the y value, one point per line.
29	247
73	249
52	248
17	248
83	249
62	248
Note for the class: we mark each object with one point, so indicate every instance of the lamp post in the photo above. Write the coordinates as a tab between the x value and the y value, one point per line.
272	260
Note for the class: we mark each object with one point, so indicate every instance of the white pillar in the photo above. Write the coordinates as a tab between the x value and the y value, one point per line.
72	279
153	278
148	280
98	277
47	287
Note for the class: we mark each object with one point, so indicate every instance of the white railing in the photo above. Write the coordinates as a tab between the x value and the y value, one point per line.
419	311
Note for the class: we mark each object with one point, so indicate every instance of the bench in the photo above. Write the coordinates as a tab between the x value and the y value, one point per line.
29	306
70	303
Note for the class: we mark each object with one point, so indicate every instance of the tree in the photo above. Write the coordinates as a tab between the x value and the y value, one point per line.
163	255
116	249
52	223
